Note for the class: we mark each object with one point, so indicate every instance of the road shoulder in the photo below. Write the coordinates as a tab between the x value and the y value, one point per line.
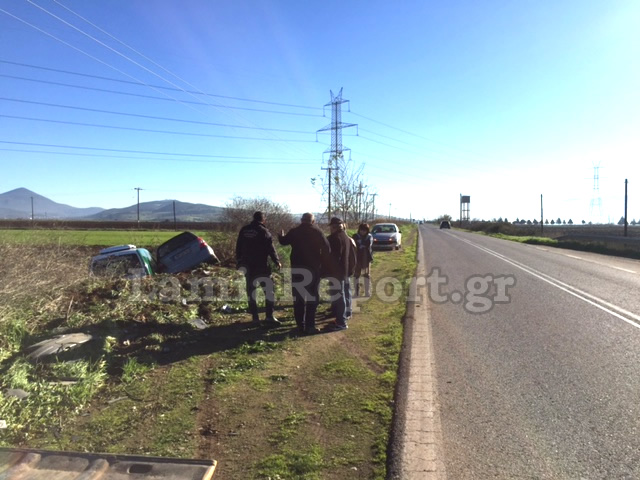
416	439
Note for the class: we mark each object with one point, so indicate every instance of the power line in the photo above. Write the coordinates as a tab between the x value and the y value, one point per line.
149	130
124	56
128	82
143	152
152	97
123	157
153	117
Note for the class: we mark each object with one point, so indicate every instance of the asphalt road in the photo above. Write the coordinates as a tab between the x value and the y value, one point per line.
544	383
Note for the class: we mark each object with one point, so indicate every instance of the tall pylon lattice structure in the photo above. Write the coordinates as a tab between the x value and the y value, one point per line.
336	151
595	209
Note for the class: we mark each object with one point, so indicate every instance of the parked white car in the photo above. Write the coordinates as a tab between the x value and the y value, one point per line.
386	236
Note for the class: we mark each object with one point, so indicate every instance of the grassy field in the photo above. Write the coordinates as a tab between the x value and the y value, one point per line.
262	402
100	238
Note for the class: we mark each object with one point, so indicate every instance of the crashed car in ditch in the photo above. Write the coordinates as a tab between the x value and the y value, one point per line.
126	261
184	252
181	253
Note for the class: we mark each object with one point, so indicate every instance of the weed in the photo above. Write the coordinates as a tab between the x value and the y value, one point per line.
288	427
132	370
294	465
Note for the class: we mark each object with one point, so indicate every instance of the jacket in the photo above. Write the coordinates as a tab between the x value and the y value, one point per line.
254	247
343	254
365	248
309	247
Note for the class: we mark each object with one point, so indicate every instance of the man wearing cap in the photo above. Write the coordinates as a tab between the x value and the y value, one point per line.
342	266
309	250
254	247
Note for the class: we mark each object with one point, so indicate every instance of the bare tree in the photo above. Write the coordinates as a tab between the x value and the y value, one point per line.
239	211
351	198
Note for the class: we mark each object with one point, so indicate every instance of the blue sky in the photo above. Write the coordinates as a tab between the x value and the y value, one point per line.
499	100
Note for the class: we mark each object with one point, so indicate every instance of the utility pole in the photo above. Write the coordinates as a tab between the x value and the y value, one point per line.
389	211
138	189
359	207
32	217
626	182
175	226
541	217
336	151
373	206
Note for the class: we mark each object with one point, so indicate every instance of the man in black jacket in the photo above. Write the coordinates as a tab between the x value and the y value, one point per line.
343	256
254	247
309	250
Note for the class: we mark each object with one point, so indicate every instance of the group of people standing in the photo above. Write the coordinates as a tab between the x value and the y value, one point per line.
336	257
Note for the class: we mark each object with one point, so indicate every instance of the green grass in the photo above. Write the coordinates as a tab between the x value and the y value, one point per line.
90	238
279	406
531	240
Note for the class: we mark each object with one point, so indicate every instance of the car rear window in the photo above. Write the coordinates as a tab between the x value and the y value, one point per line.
384	229
175	243
117	265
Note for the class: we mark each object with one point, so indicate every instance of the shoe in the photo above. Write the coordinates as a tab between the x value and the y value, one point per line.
336	327
272	321
255	321
312	331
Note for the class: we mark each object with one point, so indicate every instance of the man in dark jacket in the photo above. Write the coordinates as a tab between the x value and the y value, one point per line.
254	247
309	250
343	256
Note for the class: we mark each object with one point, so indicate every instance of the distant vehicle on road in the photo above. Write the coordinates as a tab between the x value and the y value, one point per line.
386	236
183	252
445	224
123	261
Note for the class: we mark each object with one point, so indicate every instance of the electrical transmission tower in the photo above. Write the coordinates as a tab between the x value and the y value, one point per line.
336	151
596	199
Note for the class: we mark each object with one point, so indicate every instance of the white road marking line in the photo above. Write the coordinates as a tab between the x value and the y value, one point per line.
586	260
576	292
623	269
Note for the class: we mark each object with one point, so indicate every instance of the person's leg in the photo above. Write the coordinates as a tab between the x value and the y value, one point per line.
347	298
251	296
312	303
339	303
266	282
367	282
300	282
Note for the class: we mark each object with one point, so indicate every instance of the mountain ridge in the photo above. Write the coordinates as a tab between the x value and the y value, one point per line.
20	202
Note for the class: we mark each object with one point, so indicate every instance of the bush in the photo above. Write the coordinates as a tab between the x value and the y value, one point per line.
239	212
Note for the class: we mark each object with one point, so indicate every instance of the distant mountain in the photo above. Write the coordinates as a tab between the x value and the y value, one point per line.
17	204
161	211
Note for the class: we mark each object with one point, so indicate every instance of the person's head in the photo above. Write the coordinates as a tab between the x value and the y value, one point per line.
307	218
259	217
363	229
336	224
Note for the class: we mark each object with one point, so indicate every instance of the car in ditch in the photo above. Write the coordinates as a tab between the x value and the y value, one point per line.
386	236
181	253
126	261
184	252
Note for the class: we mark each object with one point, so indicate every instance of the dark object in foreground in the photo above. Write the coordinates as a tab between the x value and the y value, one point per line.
44	465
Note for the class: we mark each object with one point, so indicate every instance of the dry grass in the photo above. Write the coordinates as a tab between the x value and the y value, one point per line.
30	271
33	280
